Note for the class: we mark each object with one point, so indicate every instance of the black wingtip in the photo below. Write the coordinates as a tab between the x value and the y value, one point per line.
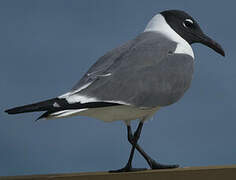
40	117
39	106
36	120
10	111
15	110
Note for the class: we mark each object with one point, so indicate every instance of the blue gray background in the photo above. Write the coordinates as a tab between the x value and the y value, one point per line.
46	46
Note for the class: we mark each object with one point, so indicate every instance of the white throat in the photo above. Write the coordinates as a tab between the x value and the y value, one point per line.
159	24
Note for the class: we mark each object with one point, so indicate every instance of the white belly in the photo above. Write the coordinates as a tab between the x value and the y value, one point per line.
109	114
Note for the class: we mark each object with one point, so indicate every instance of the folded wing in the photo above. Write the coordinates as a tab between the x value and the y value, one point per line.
144	72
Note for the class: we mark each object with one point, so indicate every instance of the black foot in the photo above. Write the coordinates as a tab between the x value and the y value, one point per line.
127	169
155	165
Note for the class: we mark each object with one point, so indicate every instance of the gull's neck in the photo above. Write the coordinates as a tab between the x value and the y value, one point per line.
159	24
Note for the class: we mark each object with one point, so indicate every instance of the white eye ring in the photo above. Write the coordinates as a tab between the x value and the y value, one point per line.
187	20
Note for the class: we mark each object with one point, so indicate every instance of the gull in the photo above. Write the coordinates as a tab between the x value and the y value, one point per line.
135	80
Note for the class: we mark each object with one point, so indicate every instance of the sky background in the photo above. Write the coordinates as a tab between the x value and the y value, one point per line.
46	47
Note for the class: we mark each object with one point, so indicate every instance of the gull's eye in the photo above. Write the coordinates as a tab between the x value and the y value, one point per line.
188	23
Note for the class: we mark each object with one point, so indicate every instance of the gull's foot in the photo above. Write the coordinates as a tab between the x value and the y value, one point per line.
127	169
155	165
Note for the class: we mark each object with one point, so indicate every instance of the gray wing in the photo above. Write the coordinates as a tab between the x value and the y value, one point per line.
111	59
143	72
100	68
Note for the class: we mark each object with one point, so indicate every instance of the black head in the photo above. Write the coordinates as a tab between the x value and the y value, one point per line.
188	28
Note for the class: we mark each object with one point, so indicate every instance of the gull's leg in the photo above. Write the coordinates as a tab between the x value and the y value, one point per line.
128	166
152	163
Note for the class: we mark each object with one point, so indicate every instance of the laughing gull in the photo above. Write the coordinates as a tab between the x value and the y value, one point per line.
133	81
